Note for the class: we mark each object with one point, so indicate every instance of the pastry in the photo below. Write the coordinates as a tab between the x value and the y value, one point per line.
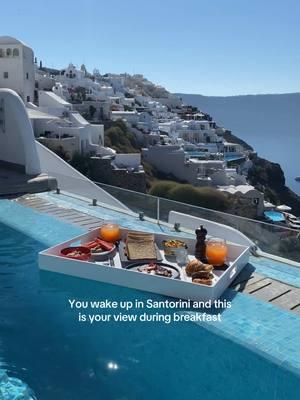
193	266
202	275
203	281
207	267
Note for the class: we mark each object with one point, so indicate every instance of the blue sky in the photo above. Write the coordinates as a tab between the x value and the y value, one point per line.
211	47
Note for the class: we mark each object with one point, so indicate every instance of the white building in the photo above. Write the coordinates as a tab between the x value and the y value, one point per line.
58	126
171	159
131	161
17	67
131	117
233	149
72	78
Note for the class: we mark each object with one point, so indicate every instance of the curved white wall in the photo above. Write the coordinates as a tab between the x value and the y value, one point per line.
70	180
17	143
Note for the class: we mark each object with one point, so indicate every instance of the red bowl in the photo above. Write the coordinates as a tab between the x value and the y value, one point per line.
84	256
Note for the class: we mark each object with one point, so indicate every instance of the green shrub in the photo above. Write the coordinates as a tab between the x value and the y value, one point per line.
118	137
201	197
186	193
162	188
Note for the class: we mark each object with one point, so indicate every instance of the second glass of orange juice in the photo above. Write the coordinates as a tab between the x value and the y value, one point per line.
216	251
110	232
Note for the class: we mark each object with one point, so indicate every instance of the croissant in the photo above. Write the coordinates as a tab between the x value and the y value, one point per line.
193	266
196	266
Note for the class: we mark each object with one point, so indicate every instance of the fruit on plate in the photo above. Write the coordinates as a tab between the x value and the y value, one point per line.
99	246
77	252
155	269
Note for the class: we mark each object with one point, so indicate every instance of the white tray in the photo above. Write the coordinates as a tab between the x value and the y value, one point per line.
238	256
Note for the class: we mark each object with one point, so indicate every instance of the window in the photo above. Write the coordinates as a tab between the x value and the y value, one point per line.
5	75
15	52
27	75
28	99
1	52
8	52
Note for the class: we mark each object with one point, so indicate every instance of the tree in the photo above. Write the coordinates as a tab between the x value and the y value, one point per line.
81	162
118	137
80	93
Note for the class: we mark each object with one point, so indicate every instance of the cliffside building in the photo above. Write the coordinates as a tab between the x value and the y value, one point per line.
17	67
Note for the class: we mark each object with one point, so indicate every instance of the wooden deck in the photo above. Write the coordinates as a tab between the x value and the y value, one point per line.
267	289
278	293
68	215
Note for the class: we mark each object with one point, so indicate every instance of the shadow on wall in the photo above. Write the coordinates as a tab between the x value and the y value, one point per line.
17	142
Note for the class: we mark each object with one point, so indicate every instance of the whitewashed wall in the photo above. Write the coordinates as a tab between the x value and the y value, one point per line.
17	142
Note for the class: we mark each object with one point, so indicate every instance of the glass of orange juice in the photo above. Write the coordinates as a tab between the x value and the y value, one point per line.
216	251
110	232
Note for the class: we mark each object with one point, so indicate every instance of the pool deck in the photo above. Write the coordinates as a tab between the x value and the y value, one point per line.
278	292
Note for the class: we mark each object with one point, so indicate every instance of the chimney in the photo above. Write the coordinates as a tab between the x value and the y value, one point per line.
41	64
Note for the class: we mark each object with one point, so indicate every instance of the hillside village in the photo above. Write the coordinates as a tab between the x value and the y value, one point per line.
127	128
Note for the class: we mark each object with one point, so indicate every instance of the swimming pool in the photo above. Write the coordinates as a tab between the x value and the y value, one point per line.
42	344
274	216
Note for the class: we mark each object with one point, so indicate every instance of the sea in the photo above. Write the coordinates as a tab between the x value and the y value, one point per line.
269	123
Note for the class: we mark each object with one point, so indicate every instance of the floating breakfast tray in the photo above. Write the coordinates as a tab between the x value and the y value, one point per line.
115	271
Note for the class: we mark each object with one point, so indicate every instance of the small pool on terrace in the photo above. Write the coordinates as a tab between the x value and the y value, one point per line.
274	216
42	343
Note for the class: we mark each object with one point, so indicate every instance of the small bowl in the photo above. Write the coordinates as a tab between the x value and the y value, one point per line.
171	251
85	256
103	255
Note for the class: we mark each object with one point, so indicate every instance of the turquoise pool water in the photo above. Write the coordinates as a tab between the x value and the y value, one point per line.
42	344
274	216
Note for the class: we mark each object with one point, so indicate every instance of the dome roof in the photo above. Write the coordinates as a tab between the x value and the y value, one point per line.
10	40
